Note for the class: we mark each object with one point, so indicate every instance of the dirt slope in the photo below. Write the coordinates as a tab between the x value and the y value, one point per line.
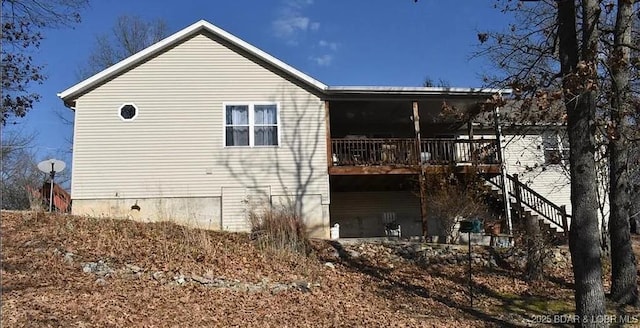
64	271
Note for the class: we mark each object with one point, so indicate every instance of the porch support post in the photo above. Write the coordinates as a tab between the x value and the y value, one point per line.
422	178
503	169
471	145
327	125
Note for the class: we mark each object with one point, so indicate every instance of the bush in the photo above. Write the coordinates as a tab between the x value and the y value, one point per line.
280	229
452	199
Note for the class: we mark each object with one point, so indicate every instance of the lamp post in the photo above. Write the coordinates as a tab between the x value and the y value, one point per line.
470	226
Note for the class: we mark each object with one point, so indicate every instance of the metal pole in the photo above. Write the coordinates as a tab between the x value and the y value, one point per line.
53	173
470	281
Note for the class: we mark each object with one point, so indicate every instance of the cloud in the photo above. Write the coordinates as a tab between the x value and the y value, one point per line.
296	28
299	4
291	23
326	44
287	28
324	60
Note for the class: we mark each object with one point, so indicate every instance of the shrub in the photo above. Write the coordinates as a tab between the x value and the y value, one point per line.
452	199
279	228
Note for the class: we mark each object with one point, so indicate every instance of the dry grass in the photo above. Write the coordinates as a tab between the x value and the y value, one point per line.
42	289
280	229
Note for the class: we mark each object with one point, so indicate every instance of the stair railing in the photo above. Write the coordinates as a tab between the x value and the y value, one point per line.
523	194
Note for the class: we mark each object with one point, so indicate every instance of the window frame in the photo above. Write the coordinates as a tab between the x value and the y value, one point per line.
560	146
134	116
252	125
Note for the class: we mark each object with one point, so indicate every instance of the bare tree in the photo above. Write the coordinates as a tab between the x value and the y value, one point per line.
19	172
429	82
129	35
23	23
578	66
623	262
551	54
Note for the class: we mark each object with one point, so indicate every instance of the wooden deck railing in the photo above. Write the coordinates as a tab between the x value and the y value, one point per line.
445	151
524	195
373	151
403	151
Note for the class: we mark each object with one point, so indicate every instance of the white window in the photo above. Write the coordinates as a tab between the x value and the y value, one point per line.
251	124
556	147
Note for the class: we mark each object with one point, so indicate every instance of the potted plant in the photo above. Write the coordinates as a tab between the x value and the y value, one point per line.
493	225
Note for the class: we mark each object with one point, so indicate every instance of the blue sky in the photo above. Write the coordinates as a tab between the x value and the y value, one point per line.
373	42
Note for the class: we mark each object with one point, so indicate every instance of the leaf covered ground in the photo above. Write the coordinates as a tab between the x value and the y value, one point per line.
65	271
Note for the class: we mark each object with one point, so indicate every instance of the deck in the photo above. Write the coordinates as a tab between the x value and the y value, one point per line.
400	156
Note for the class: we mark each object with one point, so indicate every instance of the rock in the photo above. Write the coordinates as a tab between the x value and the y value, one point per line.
89	267
180	279
330	265
200	279
158	275
278	288
333	253
100	282
303	286
254	288
68	257
133	268
352	254
102	269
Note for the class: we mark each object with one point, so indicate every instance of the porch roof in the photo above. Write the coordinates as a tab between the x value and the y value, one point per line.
423	91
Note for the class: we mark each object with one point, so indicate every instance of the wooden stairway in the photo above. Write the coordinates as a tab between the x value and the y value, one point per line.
549	231
527	203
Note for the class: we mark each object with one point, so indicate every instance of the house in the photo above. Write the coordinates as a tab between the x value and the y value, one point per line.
202	127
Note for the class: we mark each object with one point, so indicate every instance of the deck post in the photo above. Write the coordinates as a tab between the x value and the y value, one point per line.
422	178
518	192
471	145
327	125
565	224
503	168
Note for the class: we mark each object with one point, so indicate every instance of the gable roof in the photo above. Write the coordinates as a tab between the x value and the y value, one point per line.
70	94
202	25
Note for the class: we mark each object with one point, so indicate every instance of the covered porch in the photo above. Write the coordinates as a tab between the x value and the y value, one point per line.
397	136
382	147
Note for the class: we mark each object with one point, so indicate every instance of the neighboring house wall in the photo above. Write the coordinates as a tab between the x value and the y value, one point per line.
524	155
171	160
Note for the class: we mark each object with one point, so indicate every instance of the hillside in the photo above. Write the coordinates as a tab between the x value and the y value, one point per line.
65	271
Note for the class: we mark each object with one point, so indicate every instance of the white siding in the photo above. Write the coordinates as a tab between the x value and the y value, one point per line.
174	147
237	202
524	155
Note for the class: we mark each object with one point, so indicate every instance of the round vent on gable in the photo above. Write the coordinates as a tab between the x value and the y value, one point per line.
128	112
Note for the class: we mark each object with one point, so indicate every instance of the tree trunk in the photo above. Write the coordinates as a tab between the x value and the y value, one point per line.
578	83
534	270
634	212
624	279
